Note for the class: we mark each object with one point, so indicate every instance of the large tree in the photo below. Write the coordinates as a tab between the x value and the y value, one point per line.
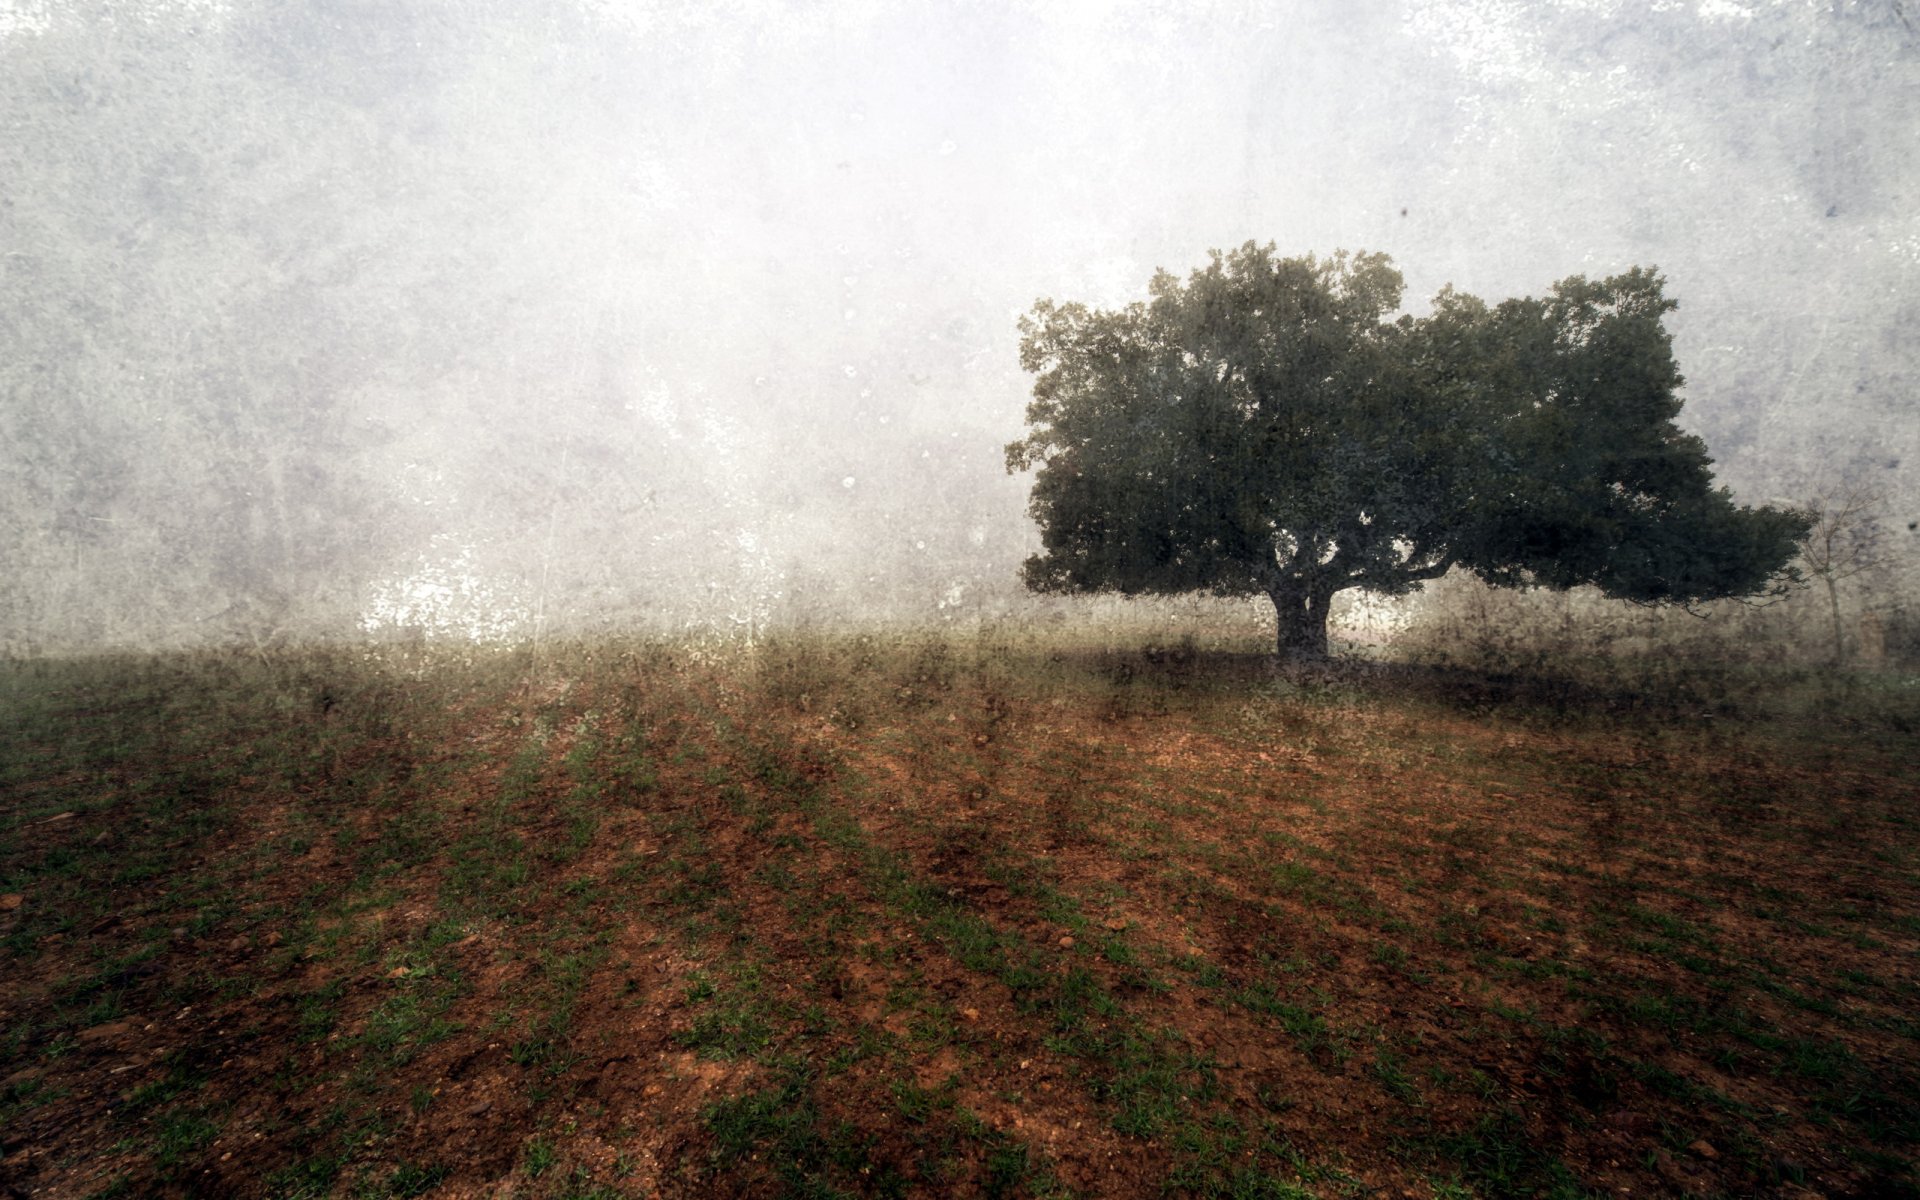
1269	426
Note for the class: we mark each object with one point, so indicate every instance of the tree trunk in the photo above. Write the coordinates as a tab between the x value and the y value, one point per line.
1839	638
1302	613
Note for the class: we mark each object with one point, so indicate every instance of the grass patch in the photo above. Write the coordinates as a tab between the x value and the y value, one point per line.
856	907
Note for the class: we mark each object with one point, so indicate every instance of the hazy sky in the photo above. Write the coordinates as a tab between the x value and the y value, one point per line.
708	310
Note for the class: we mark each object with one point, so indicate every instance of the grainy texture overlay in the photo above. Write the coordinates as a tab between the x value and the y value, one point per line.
1161	599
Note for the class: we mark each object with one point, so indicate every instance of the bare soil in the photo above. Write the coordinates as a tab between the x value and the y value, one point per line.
932	920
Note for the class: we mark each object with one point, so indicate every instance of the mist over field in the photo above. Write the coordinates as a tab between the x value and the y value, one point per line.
518	673
503	319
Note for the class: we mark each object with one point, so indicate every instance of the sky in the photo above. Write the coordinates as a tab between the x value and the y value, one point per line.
491	318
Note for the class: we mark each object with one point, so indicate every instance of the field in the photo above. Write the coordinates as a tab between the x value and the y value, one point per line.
984	915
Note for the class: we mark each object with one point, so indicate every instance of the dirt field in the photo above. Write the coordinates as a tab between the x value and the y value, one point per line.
967	918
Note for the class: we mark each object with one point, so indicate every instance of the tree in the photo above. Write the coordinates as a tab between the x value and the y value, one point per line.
1269	427
1846	540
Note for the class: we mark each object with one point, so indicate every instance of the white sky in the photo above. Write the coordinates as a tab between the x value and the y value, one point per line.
792	241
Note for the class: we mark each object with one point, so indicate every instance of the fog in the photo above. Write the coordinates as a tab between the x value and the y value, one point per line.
510	318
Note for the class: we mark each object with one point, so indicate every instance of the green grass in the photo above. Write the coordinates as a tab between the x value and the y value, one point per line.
378	883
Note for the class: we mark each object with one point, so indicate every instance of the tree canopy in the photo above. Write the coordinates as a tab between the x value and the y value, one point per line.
1271	426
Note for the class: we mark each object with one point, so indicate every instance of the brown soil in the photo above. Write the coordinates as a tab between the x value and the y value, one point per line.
673	929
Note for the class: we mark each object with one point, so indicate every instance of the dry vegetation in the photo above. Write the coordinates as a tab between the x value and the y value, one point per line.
992	916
